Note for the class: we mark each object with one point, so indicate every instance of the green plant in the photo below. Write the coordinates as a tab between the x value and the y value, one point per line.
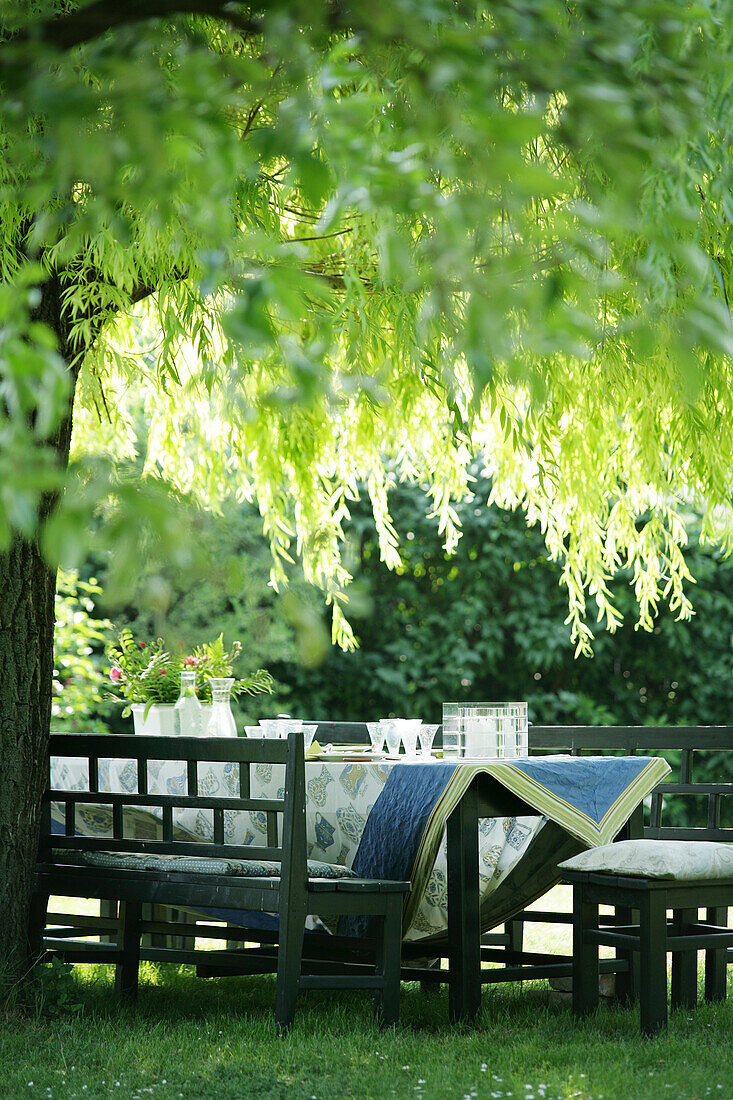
48	990
53	989
144	672
211	660
78	679
147	673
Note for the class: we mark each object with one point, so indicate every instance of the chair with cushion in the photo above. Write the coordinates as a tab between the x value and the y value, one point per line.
652	877
173	869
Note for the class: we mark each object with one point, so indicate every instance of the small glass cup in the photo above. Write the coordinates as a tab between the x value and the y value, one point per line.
309	732
409	730
268	727
393	735
376	736
426	735
280	727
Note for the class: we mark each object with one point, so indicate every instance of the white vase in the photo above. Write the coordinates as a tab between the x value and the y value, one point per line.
160	720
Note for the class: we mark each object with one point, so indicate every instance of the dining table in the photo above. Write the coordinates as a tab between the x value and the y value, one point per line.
478	838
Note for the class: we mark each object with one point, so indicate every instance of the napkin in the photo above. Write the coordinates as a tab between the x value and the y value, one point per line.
314	750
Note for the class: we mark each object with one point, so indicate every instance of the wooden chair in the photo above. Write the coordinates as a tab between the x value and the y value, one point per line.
179	872
638	927
652	877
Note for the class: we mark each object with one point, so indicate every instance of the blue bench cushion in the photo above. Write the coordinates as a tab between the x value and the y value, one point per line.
195	865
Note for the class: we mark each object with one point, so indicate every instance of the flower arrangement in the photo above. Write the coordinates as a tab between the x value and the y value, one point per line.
146	672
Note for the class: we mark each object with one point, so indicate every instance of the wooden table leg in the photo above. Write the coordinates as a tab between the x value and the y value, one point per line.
464	927
684	963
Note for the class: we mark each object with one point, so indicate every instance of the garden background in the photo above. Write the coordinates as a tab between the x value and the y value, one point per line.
483	624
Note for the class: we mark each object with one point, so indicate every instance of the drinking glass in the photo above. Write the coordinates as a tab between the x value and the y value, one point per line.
427	736
280	727
409	730
393	735
309	732
376	736
452	729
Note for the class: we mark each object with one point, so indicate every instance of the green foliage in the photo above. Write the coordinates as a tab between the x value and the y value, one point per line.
418	233
79	682
55	993
212	660
49	992
223	589
486	624
145	672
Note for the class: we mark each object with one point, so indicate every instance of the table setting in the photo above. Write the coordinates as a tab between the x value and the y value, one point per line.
382	809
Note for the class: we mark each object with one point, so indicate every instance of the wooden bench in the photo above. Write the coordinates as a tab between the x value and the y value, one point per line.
174	870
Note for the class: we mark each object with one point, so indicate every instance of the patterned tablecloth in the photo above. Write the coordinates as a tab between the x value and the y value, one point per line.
388	818
339	797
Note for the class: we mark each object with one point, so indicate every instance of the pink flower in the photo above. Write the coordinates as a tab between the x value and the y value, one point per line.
115	674
191	662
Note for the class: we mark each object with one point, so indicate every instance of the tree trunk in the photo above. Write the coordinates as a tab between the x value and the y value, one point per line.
27	619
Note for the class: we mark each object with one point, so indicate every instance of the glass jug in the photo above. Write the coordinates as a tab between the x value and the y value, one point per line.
221	723
187	711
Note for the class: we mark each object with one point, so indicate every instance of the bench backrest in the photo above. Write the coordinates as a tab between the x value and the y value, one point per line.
342	733
284	815
679	745
354	733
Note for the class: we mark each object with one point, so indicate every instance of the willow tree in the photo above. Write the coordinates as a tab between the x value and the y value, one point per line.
347	242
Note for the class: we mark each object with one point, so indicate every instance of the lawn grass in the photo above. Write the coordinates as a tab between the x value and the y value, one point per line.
217	1040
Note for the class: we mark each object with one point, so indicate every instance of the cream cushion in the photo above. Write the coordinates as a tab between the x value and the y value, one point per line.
685	860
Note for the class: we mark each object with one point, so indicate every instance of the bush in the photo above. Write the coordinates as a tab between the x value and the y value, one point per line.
487	624
79	680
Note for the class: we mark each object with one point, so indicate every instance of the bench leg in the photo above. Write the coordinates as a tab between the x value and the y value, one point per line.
289	963
626	984
126	970
716	973
585	955
515	932
653	962
684	963
429	988
389	957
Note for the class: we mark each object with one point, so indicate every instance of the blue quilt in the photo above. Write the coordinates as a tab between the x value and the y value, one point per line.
590	797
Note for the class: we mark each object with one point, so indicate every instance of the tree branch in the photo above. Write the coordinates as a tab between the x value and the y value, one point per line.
90	22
